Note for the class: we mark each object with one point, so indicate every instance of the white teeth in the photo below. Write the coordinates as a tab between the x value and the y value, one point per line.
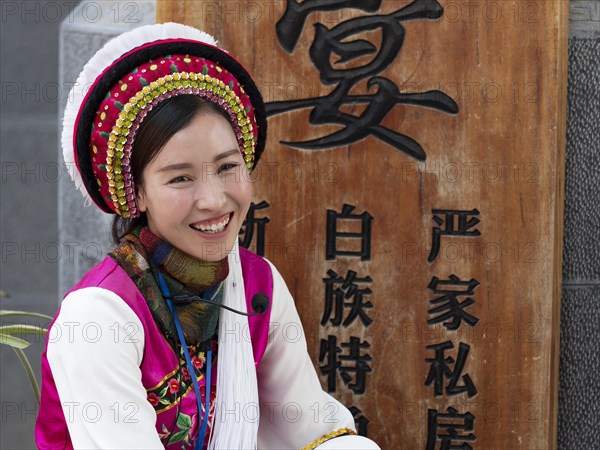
214	228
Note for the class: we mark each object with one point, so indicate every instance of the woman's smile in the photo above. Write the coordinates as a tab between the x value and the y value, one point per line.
213	226
196	191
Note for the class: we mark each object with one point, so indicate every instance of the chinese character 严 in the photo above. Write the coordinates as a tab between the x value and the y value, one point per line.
466	221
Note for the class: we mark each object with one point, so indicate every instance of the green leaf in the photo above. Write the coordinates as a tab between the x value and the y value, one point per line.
184	421
231	85
174	68
13	342
204	69
143	82
14	329
163	392
119	105
5	312
102	167
30	374
178	437
104	134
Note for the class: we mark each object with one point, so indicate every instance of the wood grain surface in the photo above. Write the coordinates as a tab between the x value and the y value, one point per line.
504	64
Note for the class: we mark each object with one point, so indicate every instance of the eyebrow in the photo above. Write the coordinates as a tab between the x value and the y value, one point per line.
227	154
179	166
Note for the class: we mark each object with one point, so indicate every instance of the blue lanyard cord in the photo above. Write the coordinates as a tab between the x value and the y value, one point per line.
202	433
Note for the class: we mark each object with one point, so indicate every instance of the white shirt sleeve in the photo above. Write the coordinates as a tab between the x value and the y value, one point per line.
95	349
295	411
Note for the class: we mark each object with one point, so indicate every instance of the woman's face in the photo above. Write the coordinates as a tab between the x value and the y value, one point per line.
196	192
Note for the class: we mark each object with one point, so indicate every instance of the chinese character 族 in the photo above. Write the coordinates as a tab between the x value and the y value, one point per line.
326	109
348	289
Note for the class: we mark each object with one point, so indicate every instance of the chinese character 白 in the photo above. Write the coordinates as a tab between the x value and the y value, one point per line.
334	220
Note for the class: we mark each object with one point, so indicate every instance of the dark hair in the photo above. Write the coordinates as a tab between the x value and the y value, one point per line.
166	119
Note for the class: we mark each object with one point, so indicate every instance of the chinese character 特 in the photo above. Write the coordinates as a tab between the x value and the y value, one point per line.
346	364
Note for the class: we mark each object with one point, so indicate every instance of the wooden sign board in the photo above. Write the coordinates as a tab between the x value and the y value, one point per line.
411	195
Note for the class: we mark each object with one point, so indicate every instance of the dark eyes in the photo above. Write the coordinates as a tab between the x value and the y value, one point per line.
223	168
180	179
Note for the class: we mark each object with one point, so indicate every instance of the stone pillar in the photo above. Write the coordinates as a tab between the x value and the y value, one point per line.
86	230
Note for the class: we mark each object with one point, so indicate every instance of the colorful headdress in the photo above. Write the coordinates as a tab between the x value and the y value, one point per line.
125	80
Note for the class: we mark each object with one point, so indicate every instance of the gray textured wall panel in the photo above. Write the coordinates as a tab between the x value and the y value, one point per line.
582	178
579	385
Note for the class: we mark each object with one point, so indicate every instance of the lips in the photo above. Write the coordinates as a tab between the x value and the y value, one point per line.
214	225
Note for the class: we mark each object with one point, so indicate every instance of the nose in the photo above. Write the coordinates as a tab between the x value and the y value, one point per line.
210	194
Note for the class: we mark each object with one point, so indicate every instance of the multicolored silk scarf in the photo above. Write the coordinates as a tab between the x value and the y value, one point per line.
142	254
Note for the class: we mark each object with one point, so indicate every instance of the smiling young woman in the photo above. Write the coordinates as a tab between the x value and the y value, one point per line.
196	191
183	354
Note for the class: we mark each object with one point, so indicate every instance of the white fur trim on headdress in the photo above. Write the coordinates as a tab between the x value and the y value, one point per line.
111	51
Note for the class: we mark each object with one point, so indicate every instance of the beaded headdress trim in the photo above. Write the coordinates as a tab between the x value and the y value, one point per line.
132	84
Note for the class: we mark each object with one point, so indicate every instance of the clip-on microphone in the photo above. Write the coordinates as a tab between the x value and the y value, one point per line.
260	303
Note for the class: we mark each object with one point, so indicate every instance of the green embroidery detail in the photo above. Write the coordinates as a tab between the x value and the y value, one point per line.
119	105
143	82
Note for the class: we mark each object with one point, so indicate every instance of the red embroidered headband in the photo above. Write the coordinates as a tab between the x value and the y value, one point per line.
128	77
